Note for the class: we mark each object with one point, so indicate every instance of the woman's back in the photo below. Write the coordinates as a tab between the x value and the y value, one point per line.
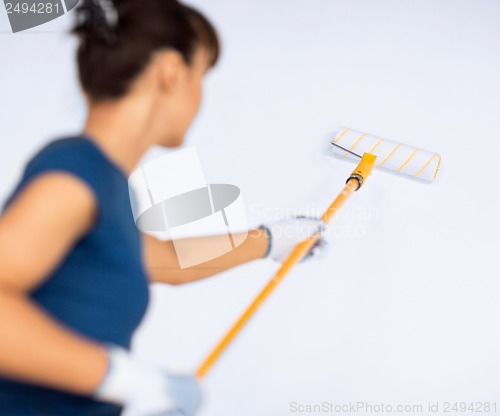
100	289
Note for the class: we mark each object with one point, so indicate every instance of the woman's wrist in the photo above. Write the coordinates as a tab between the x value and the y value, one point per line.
268	237
260	241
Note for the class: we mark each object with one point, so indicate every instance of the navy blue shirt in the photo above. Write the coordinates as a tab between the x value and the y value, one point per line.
100	290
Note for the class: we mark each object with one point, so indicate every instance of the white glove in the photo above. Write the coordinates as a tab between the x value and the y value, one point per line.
284	235
145	391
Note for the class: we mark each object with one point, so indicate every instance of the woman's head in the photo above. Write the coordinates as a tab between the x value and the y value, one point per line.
158	47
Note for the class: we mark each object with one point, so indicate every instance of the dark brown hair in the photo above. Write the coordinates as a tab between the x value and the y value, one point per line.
118	38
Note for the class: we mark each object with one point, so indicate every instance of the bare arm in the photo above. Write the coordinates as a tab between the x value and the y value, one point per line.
163	266
36	233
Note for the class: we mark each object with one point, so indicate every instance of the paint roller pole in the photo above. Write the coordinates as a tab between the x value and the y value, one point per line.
354	182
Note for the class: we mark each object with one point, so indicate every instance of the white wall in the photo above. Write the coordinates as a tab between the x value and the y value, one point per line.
408	312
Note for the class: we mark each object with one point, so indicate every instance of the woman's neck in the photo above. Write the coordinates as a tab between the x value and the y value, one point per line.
120	129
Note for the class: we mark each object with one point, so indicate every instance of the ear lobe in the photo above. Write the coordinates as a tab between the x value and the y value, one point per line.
169	66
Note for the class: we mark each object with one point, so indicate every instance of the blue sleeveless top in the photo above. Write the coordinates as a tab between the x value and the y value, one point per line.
100	290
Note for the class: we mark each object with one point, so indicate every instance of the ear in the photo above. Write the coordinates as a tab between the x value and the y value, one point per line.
169	66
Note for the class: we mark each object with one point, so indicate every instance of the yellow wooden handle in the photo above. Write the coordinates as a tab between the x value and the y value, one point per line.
357	178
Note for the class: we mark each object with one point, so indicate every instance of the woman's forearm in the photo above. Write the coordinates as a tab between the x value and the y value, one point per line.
163	264
37	350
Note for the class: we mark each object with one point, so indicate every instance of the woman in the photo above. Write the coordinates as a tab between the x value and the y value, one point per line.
74	268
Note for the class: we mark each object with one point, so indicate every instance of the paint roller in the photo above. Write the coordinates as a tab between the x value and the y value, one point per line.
393	156
377	152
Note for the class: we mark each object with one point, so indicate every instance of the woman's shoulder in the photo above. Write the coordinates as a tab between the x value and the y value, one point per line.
75	154
78	157
72	151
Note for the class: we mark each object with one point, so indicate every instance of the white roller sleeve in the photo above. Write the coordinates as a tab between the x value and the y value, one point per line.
391	155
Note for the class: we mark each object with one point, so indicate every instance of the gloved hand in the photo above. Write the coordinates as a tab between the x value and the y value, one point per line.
285	234
146	391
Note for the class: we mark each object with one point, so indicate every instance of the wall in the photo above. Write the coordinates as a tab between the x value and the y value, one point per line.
404	307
